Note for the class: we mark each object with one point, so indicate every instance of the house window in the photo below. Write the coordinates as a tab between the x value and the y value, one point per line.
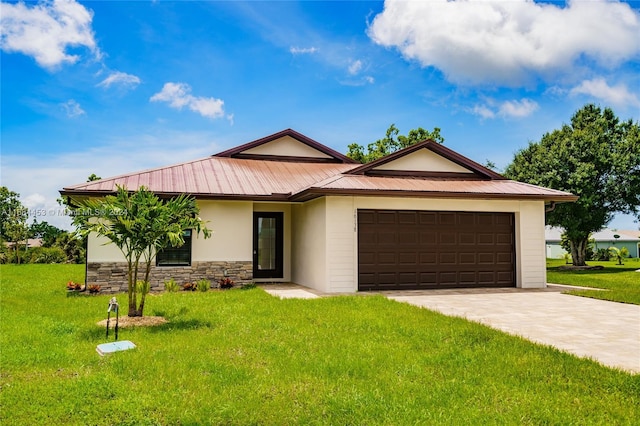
176	256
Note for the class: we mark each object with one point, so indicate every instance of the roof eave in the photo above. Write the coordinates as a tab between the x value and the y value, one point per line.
312	193
198	196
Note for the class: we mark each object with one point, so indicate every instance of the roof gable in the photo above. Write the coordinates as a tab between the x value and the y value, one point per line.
287	145
427	159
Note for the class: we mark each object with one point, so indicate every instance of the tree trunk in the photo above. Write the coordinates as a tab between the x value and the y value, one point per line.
144	293
579	251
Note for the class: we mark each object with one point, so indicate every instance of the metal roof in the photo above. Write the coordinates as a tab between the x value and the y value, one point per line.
220	177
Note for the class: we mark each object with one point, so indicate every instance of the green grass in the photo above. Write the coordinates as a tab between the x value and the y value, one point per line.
244	357
621	281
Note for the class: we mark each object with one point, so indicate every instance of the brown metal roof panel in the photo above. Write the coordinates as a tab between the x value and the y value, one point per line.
472	187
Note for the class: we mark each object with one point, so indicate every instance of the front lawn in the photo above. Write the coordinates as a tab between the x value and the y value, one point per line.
245	357
621	281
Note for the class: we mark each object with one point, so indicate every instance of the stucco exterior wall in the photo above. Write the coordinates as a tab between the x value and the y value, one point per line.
423	160
287	146
341	234
309	244
232	238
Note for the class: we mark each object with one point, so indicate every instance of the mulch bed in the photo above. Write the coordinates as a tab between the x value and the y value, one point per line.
580	268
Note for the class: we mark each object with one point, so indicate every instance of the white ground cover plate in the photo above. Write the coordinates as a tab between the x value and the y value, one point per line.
107	348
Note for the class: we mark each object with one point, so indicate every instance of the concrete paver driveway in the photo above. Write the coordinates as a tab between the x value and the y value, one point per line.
607	332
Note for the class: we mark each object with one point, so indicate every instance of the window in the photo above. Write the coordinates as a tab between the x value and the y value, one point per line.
176	256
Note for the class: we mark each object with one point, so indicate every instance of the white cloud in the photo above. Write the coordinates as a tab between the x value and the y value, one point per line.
178	95
598	88
355	67
302	50
120	78
507	109
46	30
518	109
508	42
72	109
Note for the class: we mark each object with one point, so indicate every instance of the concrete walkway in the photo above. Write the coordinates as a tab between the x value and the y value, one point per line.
607	332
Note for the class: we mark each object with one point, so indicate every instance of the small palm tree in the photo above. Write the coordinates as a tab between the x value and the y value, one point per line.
619	254
140	224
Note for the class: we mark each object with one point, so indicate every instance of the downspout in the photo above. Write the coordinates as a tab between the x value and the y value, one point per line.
550	208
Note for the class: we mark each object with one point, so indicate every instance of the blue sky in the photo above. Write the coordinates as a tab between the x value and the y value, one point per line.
109	87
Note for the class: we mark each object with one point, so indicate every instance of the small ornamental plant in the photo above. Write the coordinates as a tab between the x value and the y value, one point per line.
189	287
171	286
203	285
226	283
73	286
94	289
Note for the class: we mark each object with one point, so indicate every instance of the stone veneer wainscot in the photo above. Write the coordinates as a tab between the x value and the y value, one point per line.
112	276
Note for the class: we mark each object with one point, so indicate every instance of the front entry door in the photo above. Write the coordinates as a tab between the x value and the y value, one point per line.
267	245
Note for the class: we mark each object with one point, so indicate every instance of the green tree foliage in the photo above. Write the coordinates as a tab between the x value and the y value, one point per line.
44	231
596	157
140	224
11	209
392	142
13	221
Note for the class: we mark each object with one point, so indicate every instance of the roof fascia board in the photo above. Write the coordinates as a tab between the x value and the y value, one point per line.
312	193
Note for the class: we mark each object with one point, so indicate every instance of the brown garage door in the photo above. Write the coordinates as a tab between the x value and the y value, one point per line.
402	249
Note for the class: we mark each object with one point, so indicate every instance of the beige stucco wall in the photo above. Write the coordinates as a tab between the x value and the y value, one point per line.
232	238
286	146
309	244
425	161
341	234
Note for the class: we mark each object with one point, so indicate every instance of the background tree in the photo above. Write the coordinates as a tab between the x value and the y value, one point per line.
392	142
9	205
596	157
140	225
13	221
44	231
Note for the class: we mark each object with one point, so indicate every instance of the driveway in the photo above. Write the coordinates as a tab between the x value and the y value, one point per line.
607	332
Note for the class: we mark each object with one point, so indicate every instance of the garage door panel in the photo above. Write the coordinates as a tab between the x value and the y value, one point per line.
448	238
428	238
428	218
408	258
447	259
447	218
427	259
387	259
407	217
407	238
467	238
387	217
428	249
468	259
386	237
486	239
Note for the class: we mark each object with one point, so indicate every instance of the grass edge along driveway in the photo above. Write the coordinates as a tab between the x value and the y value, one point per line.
621	281
244	357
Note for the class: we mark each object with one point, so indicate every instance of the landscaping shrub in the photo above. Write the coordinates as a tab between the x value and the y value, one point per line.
600	255
171	286
225	283
203	285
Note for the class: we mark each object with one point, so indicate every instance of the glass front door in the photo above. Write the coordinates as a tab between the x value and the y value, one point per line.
267	245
